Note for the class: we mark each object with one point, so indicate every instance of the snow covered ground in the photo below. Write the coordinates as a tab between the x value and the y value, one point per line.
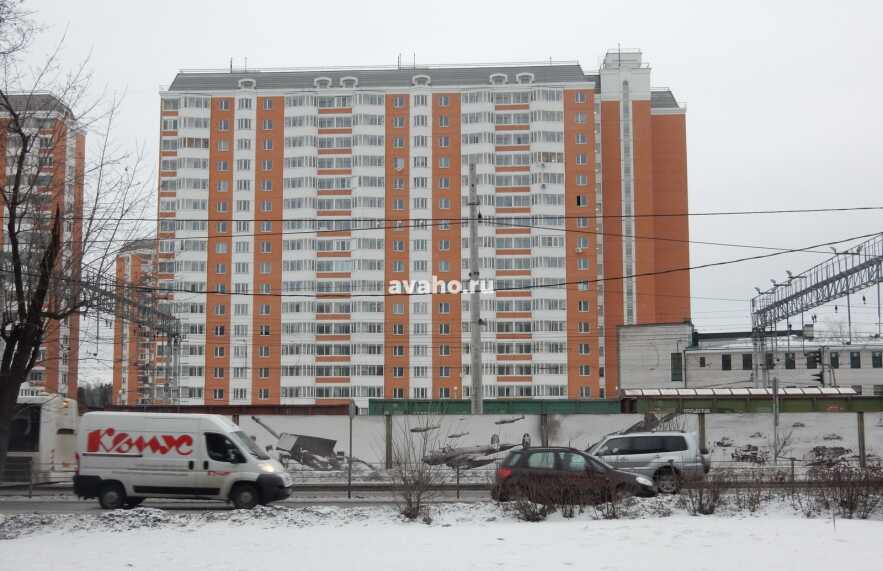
461	536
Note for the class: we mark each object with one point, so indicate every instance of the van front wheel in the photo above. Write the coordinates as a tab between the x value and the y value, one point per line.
112	496
244	496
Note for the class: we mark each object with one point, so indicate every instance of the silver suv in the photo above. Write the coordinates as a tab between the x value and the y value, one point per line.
667	457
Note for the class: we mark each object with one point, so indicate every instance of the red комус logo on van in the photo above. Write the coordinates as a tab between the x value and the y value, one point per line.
109	441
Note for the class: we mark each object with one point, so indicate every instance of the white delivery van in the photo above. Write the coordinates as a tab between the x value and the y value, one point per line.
125	457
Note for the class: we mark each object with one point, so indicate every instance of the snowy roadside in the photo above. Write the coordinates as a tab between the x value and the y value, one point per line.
17	525
655	532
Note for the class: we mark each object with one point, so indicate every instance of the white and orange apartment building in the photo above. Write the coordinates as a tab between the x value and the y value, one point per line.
52	178
139	354
290	199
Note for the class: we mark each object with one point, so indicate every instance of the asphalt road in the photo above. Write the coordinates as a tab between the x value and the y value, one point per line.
64	503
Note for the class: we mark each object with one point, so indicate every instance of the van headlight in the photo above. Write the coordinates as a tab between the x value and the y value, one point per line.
266	467
644	481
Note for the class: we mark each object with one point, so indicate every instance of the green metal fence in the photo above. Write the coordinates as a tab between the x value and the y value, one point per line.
381	407
638	405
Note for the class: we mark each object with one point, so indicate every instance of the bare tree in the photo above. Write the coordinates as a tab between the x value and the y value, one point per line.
415	480
63	215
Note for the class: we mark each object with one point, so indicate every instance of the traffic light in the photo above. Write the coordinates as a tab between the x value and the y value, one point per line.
820	377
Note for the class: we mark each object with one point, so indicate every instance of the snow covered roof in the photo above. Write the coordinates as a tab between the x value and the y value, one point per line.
743	392
796	343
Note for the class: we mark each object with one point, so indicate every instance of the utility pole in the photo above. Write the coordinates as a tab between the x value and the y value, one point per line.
475	295
775	420
878	300
349	463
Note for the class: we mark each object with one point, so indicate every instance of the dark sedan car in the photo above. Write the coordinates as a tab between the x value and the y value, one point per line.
538	473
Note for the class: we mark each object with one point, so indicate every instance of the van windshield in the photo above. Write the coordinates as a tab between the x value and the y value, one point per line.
250	445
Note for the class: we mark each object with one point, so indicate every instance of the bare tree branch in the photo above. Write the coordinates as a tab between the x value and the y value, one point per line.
63	208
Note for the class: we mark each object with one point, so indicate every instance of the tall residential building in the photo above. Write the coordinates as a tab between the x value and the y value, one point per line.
51	179
290	201
138	354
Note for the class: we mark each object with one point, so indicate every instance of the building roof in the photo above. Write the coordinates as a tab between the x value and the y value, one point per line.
386	77
459	76
142	244
663	99
797	344
35	102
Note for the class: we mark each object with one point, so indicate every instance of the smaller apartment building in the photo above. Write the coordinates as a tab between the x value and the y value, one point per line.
675	355
139	362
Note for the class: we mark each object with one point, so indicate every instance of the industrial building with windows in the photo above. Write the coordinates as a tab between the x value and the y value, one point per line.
290	200
676	355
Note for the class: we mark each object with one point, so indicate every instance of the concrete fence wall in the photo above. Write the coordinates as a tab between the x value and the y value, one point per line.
371	434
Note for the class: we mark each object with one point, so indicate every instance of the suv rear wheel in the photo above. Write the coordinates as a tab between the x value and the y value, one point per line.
244	496
134	502
498	495
667	481
111	496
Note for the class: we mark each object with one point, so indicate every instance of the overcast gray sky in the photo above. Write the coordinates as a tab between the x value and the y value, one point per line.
782	97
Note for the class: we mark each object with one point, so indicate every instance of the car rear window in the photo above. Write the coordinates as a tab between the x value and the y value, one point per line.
512	459
573	462
644	445
541	460
653	444
674	443
647	444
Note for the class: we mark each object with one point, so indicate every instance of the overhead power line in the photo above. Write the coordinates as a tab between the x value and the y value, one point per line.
560	284
602	216
233	235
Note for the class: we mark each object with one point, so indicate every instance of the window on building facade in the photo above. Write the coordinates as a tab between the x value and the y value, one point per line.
677	368
855	360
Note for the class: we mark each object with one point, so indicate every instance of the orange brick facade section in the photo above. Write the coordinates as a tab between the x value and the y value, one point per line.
611	175
670	188
579	201
267	309
645	226
446	346
219	306
397	244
